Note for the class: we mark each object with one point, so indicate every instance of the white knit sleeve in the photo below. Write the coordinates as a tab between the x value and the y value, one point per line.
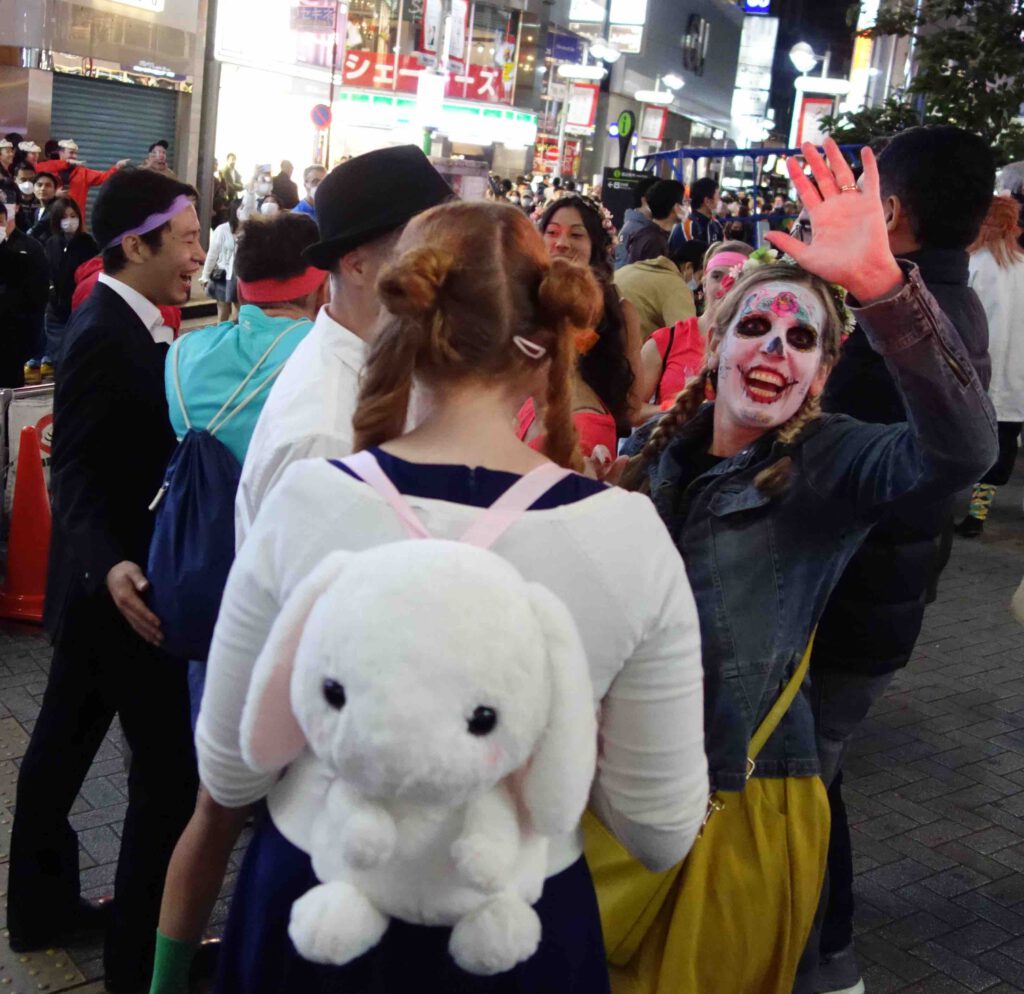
651	789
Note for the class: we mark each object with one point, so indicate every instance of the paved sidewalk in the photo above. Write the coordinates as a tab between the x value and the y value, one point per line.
934	786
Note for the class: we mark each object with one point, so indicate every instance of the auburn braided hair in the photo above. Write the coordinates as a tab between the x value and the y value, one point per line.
772	479
467	279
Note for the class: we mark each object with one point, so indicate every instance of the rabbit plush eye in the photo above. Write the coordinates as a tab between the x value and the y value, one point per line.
483	721
334	694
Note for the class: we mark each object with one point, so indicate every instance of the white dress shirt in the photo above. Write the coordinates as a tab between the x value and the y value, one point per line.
308	413
610	560
147	312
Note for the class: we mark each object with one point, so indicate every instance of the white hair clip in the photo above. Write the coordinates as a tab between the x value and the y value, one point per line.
530	349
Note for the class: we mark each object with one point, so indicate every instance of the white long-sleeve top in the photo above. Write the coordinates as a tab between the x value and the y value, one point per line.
307	414
1001	291
608	557
222	251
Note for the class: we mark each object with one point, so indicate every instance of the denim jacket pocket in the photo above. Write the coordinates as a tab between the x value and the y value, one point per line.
732	500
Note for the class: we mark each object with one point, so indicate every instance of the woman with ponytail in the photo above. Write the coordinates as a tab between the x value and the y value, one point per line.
766	500
477	317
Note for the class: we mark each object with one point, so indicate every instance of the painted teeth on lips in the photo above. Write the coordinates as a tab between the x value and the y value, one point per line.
767	376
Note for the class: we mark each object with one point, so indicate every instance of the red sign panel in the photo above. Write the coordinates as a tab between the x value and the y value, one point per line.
368	70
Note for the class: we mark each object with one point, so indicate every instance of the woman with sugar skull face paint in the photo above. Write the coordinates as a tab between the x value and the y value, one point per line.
766	500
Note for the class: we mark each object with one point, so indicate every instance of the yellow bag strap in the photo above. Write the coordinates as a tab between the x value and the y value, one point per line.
771	721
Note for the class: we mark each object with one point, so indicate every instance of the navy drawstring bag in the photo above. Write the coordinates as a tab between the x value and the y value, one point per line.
193	544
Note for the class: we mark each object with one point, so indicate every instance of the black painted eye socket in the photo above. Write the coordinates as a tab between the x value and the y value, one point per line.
483	721
802	339
753	327
334	694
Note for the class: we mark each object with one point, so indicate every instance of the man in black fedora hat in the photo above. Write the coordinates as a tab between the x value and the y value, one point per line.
362	207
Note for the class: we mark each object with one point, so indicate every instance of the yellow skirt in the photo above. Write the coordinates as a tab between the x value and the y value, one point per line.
734	916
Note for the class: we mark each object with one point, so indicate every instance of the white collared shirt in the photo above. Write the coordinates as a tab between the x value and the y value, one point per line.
146	311
308	413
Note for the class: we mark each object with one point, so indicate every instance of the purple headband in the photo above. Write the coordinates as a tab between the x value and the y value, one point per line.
154	221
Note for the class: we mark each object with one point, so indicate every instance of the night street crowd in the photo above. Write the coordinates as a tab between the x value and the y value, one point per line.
709	478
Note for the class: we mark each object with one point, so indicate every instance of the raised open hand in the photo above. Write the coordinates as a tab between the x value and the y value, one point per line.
850	245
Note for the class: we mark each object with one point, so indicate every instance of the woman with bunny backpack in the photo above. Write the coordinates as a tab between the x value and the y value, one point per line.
399	852
766	500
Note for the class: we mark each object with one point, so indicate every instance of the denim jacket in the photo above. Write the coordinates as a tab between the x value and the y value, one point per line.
762	568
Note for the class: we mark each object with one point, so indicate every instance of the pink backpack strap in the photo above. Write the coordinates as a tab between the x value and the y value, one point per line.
487	528
513	504
366	466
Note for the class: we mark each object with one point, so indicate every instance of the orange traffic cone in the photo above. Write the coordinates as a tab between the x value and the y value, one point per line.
28	545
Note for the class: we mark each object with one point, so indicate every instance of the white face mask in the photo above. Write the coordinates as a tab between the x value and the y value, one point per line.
693	284
269	210
263	187
69	225
3	233
26	187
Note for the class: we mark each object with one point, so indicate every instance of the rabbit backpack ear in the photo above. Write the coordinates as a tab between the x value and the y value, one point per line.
271	738
557	782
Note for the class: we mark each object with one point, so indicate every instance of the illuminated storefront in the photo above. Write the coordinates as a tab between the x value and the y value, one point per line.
386	87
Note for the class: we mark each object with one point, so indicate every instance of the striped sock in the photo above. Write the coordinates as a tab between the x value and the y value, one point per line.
981	500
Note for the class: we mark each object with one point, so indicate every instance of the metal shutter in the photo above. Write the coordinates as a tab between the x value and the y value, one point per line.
111	121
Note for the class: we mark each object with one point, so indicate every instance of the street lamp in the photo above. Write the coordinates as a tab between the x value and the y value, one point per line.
673	82
802	56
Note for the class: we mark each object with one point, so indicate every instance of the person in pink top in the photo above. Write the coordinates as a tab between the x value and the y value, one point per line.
604	395
671	356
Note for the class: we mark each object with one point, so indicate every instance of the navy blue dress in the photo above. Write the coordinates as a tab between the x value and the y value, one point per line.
258	957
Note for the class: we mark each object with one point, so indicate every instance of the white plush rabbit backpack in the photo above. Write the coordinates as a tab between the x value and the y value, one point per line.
449	702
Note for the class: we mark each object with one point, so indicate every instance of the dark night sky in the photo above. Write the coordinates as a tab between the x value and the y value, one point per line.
822	24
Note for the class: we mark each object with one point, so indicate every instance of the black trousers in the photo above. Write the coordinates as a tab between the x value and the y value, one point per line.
1009	439
100	667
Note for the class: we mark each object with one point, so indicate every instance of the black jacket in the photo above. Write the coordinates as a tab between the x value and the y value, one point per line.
24	287
286	192
41	229
111	443
646	241
873	618
64	256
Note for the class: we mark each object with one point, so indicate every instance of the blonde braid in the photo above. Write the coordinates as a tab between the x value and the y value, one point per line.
773	479
672	421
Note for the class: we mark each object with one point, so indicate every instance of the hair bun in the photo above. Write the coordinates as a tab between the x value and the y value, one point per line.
569	294
411	286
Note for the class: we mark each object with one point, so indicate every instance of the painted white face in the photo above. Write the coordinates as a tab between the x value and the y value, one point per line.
770	356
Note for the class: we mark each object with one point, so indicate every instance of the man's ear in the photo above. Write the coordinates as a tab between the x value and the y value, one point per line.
135	249
893	210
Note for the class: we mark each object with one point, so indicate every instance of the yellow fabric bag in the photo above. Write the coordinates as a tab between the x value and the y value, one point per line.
734	916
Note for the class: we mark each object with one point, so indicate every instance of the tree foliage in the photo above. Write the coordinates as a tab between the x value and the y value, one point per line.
968	70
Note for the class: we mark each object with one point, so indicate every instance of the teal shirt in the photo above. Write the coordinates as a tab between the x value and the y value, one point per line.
213	361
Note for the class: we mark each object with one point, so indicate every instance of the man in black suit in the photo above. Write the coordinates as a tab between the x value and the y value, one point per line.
112	441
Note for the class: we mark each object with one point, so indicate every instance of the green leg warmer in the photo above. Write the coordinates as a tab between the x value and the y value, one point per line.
171	965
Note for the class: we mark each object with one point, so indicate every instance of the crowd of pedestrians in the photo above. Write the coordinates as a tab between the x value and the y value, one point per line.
44	192
725	474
